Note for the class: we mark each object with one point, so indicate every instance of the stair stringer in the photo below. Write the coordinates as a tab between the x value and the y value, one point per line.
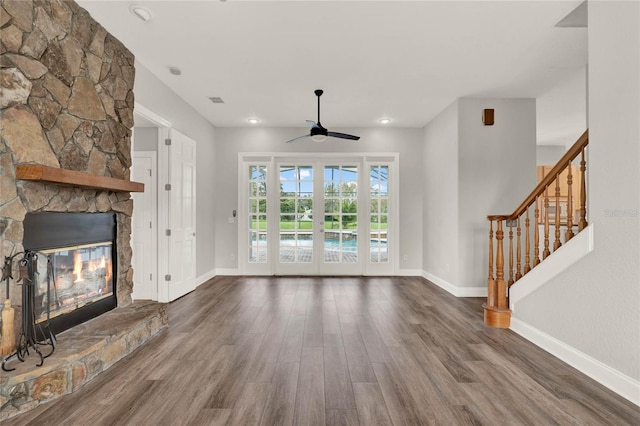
572	251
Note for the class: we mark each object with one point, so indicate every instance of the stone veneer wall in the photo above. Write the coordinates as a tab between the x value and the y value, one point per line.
67	101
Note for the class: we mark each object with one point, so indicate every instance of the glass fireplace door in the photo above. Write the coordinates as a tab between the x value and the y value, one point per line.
71	278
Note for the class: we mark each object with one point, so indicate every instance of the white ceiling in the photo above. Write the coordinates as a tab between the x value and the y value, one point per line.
406	60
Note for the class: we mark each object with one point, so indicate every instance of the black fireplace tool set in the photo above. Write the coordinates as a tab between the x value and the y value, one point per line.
33	335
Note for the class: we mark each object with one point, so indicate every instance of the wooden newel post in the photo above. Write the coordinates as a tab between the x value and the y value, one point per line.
496	312
491	283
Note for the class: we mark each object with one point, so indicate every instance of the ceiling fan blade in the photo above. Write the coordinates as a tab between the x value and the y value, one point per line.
299	138
343	136
312	124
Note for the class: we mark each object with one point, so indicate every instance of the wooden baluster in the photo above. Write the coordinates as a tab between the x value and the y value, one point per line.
491	283
557	243
536	234
501	285
518	252
510	224
527	245
546	251
583	194
569	234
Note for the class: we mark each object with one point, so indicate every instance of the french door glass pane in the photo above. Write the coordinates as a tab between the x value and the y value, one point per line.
258	248
340	214
296	214
379	187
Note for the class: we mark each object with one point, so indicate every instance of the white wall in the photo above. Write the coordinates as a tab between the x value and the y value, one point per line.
231	141
594	306
157	97
440	199
548	155
145	139
471	171
562	110
497	170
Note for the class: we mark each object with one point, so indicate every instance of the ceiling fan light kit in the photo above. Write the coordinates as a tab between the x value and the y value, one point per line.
318	133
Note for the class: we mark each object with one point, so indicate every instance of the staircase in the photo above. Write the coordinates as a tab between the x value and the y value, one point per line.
557	206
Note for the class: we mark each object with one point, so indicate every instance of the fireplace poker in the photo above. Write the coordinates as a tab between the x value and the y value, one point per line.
8	313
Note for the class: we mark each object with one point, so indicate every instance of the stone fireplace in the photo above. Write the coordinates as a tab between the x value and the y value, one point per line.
67	105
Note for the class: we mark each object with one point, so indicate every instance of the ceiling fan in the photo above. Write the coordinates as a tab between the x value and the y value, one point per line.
318	133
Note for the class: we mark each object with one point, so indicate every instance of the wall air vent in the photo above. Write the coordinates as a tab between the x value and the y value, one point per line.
216	100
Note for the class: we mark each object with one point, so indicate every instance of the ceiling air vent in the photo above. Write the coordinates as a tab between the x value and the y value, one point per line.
216	100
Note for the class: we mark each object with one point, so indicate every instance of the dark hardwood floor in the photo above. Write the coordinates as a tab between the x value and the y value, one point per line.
334	351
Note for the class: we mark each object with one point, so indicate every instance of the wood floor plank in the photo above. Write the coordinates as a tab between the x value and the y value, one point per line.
337	380
281	405
427	397
310	408
376	349
250	405
313	330
231	383
520	385
519	406
434	370
401	406
342	418
372	410
249	350
358	359
212	417
291	348
330	321
491	408
263	365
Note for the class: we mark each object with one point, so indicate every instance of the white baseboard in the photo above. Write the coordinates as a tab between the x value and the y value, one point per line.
409	272
227	271
455	290
572	251
621	384
205	277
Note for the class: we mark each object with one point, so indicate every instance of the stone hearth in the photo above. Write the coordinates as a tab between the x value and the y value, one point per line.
84	352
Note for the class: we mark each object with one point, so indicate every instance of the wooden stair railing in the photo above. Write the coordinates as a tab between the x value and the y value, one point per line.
551	208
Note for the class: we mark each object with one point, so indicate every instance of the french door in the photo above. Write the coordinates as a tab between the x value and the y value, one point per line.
317	220
315	217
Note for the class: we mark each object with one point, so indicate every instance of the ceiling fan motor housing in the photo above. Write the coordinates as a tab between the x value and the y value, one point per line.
318	130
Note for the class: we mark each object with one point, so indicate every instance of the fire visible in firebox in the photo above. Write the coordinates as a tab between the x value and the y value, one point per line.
78	276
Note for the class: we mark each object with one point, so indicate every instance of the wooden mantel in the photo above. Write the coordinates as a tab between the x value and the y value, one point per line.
40	173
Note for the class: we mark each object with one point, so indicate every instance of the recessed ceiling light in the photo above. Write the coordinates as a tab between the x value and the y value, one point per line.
141	12
384	121
175	70
253	120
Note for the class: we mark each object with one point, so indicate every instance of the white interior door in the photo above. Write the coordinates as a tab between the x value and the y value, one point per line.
144	224
181	277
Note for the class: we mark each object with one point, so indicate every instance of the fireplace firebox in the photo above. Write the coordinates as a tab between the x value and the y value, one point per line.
75	266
